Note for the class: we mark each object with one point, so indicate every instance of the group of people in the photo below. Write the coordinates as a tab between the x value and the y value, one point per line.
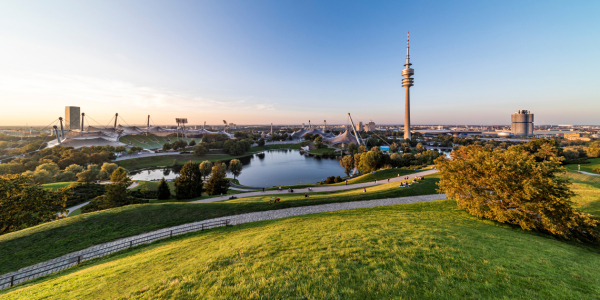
415	180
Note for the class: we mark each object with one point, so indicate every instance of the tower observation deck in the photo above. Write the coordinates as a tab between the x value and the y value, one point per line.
407	82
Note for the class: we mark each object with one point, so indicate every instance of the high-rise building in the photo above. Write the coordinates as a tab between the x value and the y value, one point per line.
407	82
359	126
72	117
521	123
370	126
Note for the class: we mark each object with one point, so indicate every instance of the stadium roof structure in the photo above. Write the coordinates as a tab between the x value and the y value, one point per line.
80	143
302	132
344	138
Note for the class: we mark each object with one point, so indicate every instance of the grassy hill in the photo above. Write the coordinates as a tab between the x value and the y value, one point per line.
594	164
23	248
412	251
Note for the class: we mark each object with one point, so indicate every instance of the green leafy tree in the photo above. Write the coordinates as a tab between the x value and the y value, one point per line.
116	193
109	168
24	204
515	187
166	147
192	143
394	148
74	168
89	175
205	168
163	192
421	148
347	162
261	142
200	150
51	168
217	184
370	161
65	176
357	160
235	167
405	147
189	182
352	148
593	150
362	149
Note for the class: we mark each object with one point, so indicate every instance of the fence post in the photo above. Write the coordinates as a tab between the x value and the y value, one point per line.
171	234
202	226
12	280
130	244
79	259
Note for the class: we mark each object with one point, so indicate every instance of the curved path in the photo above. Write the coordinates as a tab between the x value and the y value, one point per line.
326	188
588	173
71	259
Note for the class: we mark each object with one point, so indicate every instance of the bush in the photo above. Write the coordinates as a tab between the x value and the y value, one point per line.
330	180
338	179
597	170
192	143
516	187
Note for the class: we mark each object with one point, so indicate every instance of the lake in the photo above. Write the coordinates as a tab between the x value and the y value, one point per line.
267	169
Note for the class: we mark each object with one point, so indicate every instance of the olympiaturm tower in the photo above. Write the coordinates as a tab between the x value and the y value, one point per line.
407	82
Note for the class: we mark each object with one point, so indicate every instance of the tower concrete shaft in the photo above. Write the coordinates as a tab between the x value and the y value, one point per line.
407	82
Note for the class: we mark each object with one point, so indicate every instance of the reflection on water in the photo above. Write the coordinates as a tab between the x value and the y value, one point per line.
271	168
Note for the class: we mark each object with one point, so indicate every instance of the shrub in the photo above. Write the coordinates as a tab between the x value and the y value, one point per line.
516	187
338	179
330	180
200	150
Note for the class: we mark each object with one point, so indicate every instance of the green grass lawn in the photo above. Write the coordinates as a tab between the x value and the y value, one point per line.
587	188
56	186
22	248
412	251
379	175
594	164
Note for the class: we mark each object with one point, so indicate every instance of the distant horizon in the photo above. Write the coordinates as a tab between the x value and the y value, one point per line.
285	62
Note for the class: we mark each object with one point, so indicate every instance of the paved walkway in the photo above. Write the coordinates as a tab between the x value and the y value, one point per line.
71	259
588	173
326	188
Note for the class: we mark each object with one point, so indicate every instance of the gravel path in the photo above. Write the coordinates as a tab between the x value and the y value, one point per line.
71	259
588	173
326	188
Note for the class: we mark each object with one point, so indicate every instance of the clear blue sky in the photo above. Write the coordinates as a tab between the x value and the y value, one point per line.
257	62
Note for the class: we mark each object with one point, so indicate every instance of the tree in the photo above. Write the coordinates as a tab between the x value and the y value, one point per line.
120	149
394	148
179	144
347	162
217	184
163	192
192	143
594	149
134	150
51	168
109	168
74	168
89	175
24	204
120	176
421	148
352	148
65	176
405	147
235	167
515	187
362	149
370	161
200	150
166	147
116	193
189	182
205	168
261	142
357	160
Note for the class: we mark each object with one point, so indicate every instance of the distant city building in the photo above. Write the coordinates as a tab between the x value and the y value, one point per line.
359	126
72	117
521	123
370	126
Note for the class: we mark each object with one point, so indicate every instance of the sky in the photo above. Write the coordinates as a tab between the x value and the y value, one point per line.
287	62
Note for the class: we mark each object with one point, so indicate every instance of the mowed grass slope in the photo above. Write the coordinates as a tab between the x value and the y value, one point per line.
413	251
50	240
594	164
587	189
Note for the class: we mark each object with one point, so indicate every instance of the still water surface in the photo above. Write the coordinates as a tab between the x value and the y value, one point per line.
271	168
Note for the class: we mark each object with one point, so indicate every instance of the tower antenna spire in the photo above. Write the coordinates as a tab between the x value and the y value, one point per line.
407	82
